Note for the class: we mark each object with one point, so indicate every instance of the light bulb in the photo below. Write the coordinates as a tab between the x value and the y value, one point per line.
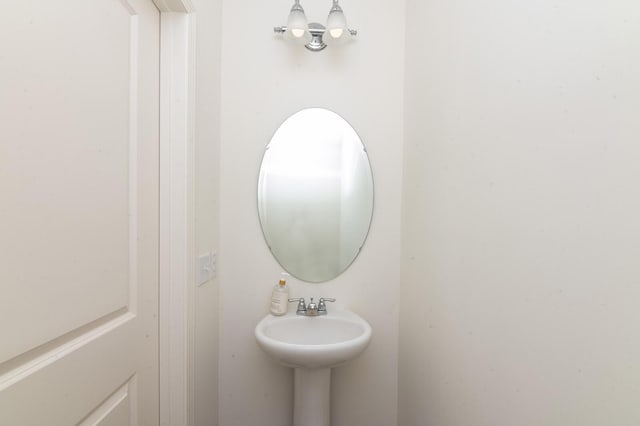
297	26
337	30
297	32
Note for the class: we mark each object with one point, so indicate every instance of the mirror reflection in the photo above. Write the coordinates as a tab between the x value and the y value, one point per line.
315	195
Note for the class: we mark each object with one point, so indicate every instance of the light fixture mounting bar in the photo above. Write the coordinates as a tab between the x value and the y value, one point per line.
317	31
310	34
283	29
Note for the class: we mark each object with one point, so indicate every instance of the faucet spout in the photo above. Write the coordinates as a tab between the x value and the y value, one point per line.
312	309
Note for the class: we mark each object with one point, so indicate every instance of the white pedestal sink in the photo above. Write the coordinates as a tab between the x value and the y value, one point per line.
312	346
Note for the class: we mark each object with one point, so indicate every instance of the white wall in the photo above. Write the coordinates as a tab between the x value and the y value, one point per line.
207	147
520	288
264	80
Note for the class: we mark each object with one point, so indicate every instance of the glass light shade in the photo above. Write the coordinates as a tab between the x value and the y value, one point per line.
337	30
297	26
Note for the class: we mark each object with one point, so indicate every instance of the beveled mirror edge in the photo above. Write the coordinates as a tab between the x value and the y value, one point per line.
373	198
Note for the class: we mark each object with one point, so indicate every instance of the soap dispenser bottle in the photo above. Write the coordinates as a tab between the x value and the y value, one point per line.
280	297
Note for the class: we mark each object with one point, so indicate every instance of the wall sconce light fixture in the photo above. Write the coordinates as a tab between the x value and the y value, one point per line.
314	36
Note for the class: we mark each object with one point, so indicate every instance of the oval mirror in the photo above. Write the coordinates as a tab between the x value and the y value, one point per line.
315	195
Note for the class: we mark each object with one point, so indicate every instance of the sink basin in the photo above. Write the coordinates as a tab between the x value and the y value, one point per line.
313	342
312	346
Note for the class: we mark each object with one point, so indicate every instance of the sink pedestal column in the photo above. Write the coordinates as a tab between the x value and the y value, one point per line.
311	398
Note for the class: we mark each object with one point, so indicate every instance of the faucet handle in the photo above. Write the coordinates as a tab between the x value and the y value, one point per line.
322	307
302	308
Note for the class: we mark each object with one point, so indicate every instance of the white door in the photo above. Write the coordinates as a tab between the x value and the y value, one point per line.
79	173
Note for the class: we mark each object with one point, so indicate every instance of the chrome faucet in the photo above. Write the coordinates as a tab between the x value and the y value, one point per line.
302	308
322	308
312	309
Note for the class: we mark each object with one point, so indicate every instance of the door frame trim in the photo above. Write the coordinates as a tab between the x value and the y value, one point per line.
177	209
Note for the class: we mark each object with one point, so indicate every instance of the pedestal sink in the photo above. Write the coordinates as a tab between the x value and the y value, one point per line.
312	346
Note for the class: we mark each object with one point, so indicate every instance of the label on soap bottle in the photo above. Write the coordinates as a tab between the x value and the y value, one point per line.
279	302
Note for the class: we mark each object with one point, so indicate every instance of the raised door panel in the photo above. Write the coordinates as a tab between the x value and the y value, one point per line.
79	214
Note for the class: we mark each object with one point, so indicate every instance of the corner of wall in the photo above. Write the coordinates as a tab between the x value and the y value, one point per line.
207	206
